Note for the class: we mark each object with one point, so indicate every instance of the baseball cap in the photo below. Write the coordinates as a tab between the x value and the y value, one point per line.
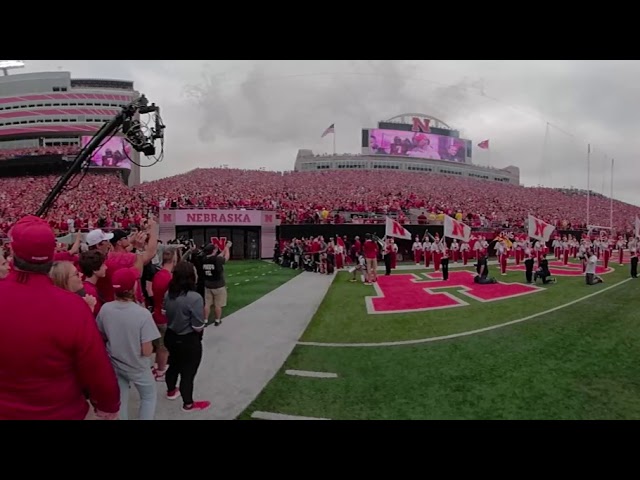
118	235
124	280
94	237
33	240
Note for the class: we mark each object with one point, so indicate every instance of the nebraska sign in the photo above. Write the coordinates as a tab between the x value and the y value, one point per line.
409	293
218	217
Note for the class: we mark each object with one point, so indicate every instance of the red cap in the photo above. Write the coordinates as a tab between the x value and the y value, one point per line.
33	240
124	279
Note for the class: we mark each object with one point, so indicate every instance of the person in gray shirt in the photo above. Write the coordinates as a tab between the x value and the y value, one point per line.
129	331
184	309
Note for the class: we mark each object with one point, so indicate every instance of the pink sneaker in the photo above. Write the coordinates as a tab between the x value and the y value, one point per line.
197	406
173	394
159	375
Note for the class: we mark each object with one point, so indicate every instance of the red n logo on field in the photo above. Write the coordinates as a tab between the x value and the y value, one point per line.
398	229
539	227
219	242
408	293
420	125
167	217
458	229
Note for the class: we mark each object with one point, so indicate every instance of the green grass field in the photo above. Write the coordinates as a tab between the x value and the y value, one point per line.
343	318
578	362
248	280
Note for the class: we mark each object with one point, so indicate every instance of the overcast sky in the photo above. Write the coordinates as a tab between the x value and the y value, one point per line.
253	114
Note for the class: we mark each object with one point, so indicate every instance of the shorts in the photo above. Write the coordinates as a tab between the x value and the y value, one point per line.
216	297
159	342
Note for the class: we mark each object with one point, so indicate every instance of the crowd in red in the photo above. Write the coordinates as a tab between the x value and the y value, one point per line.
306	197
38	151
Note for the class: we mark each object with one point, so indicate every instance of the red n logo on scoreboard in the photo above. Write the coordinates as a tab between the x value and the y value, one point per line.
220	242
420	125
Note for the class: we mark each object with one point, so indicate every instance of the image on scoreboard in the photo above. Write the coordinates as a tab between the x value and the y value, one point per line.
114	153
417	144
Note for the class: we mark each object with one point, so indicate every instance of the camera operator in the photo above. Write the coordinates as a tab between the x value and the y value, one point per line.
215	291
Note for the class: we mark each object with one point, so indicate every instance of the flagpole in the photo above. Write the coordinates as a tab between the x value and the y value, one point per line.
544	153
334	139
588	180
611	217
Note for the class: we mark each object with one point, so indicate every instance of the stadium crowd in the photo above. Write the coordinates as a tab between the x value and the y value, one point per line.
102	201
38	151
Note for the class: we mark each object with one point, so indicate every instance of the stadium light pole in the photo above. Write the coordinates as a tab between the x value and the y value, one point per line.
588	181
611	198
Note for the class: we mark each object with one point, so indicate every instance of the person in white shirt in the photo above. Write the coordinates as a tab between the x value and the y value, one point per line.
590	272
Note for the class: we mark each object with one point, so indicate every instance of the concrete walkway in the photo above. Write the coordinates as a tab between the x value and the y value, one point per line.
243	354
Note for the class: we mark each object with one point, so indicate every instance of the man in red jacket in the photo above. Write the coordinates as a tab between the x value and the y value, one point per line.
51	353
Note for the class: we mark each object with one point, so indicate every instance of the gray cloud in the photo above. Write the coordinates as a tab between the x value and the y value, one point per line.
259	113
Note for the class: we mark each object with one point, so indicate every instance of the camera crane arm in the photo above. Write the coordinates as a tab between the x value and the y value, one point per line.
130	127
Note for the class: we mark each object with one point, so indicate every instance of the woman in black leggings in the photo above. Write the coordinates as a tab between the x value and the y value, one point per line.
185	314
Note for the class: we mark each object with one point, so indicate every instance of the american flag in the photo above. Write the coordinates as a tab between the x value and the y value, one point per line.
484	144
329	130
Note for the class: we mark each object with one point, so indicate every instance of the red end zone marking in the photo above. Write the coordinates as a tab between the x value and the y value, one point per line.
409	293
558	269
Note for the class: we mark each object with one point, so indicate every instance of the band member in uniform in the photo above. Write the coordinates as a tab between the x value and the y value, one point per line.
501	253
620	246
426	251
464	250
634	264
518	244
564	245
477	248
582	255
455	250
435	252
485	246
417	251
557	247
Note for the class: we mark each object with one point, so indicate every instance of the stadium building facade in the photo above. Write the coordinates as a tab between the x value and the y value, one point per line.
54	114
410	142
